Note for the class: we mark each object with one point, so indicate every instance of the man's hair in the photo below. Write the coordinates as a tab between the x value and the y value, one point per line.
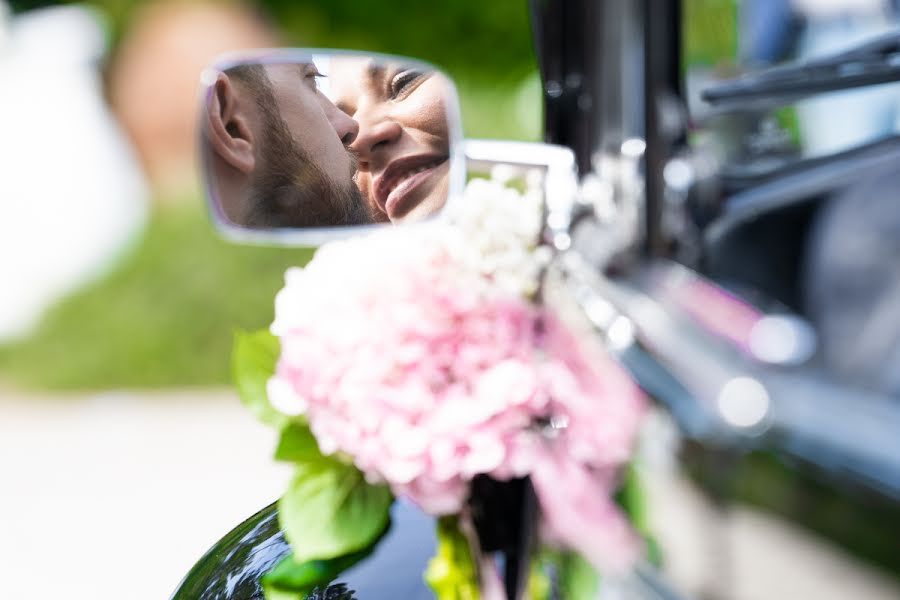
287	188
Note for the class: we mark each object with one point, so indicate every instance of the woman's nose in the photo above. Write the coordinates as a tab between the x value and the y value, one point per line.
373	137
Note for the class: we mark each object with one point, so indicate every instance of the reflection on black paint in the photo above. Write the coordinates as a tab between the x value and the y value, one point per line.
338	591
232	568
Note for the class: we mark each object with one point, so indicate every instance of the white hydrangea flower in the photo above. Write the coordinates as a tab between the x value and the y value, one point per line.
500	229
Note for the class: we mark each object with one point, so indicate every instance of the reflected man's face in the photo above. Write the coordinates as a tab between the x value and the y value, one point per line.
279	147
315	124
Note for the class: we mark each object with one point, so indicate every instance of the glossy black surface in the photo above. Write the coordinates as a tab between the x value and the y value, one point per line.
504	514
232	568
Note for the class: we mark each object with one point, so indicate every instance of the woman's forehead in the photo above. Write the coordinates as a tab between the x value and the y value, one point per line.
351	78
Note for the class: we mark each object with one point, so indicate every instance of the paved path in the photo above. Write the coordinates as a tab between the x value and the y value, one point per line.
115	496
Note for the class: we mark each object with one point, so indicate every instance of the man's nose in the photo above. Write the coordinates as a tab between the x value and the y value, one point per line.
375	136
346	128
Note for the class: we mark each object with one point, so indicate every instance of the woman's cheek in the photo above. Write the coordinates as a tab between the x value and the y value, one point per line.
427	110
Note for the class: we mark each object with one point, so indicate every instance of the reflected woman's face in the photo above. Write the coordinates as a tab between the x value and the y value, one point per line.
402	145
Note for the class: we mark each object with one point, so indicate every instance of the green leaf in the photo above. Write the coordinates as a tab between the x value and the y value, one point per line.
574	576
297	444
288	575
632	499
451	573
577	577
329	510
300	579
274	593
252	364
539	585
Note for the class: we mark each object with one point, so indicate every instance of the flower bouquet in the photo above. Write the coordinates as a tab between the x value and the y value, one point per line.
415	364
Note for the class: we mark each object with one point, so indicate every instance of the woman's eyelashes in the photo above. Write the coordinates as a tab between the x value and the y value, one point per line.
404	82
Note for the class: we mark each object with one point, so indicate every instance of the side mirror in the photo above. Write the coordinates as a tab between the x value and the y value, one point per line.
301	146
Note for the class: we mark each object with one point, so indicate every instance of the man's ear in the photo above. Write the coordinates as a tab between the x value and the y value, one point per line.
229	125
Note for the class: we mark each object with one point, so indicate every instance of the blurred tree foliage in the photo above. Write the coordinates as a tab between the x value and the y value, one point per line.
473	38
467	37
710	32
485	46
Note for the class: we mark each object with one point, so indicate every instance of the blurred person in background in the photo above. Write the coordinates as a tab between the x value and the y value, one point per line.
775	30
154	74
277	147
71	191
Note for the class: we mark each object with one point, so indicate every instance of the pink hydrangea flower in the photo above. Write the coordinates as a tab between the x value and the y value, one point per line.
427	372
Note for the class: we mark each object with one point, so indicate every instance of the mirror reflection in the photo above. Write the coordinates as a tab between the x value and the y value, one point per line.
326	141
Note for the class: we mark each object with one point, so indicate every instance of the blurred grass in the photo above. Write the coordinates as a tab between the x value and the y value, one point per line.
165	316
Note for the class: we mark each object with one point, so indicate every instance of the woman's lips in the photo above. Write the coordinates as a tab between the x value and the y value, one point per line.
397	203
394	188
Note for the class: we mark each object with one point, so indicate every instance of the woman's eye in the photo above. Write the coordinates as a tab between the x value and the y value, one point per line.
405	82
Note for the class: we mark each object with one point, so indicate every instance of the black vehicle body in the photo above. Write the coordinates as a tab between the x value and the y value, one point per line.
760	234
234	566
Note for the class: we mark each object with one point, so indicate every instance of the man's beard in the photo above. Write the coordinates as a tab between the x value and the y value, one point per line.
290	190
